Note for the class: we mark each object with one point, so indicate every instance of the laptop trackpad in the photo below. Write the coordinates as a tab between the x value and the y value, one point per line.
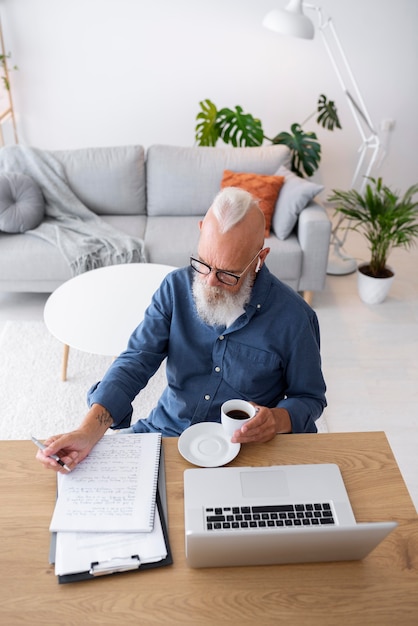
264	484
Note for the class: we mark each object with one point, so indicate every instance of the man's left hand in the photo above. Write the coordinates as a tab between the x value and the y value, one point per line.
265	424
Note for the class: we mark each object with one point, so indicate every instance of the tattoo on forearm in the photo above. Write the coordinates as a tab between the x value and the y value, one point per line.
104	418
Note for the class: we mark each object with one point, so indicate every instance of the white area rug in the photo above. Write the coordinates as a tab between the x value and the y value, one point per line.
34	399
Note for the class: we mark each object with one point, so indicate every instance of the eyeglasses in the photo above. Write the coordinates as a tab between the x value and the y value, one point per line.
227	278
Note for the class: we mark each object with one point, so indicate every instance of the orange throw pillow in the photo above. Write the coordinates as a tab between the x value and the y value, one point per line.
263	187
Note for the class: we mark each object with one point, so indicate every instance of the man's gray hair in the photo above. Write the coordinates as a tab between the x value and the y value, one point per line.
231	205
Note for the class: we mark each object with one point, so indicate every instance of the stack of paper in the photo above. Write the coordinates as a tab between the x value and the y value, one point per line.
105	518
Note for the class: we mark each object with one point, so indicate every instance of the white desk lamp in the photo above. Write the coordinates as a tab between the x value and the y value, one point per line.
292	21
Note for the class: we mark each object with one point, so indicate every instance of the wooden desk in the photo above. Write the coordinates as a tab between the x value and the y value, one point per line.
382	589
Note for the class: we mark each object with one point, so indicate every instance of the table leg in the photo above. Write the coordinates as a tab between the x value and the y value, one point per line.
308	297
65	362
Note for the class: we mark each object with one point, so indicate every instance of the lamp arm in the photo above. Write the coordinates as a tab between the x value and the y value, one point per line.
362	113
355	102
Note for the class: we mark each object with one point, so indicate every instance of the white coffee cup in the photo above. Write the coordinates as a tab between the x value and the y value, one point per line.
235	413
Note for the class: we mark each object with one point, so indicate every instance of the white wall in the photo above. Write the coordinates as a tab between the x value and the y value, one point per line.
113	72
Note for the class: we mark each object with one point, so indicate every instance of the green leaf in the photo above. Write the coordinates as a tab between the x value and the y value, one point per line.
306	150
207	131
238	128
328	116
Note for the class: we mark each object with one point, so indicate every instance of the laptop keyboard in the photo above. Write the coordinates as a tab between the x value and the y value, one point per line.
270	516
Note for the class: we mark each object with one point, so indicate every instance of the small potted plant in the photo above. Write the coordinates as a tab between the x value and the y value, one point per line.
387	221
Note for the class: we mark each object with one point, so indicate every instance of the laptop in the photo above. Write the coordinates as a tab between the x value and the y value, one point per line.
272	515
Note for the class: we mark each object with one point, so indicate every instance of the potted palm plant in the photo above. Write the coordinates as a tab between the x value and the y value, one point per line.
387	221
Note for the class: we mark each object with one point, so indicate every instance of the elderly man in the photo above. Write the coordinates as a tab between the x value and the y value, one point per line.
229	329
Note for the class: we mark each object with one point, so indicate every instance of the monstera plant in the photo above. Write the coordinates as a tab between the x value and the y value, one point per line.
237	128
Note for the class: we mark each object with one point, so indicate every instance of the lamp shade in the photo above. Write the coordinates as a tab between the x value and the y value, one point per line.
290	21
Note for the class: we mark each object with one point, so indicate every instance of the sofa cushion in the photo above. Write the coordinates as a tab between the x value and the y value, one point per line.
172	240
109	181
184	181
294	196
285	259
22	205
26	259
263	187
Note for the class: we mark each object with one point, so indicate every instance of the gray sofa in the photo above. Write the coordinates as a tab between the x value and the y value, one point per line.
160	196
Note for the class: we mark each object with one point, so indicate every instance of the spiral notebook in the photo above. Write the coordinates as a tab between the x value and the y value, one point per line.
85	556
113	489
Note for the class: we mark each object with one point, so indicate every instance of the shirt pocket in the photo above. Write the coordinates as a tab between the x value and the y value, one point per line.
253	372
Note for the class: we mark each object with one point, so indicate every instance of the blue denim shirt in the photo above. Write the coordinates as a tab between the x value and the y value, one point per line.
270	355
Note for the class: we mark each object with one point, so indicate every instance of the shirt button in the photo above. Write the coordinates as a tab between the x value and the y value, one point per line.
258	306
207	397
221	337
217	369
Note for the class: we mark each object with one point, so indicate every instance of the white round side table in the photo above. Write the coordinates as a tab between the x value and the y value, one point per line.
97	311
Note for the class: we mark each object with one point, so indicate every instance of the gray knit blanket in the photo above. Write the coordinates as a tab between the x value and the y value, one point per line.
85	240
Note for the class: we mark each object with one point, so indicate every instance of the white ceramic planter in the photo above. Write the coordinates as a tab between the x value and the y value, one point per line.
373	290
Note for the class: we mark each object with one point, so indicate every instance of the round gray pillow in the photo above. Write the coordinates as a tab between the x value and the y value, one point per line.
22	205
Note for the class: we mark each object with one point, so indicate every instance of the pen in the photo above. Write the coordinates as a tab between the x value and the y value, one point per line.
56	458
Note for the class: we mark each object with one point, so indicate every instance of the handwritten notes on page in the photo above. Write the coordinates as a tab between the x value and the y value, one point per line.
113	489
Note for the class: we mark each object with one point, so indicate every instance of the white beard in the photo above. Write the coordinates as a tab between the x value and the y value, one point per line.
218	307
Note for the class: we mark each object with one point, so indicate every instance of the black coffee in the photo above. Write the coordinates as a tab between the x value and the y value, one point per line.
236	414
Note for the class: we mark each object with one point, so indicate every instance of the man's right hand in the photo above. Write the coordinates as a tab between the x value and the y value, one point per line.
74	446
71	447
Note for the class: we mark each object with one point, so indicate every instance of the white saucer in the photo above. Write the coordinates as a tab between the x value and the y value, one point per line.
207	445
